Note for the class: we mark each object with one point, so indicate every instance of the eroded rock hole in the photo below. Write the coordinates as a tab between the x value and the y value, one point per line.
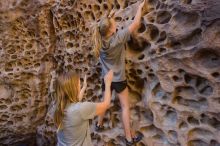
188	79
185	91
206	90
187	1
212	121
192	120
141	57
139	83
183	125
158	5
176	78
192	38
15	108
100	1
69	45
151	75
2	107
214	143
215	75
152	52
138	45
174	44
181	71
189	19
162	50
117	4
105	6
139	71
163	17
96	7
162	37
118	19
195	104
203	86
217	100
158	92
196	132
170	117
142	28
154	32
197	143
149	129
208	58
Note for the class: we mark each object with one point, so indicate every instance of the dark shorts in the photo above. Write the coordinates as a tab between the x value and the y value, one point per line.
117	86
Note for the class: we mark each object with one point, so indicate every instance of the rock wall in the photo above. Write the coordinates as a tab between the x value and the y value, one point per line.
172	66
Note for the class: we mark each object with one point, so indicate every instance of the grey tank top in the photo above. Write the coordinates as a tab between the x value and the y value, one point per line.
112	55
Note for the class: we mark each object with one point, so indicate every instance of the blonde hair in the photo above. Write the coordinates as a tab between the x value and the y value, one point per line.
67	91
101	30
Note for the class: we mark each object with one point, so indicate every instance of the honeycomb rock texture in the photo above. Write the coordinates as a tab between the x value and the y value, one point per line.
172	69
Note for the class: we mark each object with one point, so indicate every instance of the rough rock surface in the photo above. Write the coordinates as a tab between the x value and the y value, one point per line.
172	66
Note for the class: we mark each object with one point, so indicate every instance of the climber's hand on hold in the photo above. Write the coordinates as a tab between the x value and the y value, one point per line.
112	13
142	4
136	22
83	89
85	82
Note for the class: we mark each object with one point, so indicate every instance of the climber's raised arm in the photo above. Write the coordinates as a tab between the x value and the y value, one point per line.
136	22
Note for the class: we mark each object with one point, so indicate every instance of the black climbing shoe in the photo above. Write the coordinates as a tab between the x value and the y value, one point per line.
98	128
129	143
138	138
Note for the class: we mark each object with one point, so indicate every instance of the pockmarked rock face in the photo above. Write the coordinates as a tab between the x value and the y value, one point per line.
172	69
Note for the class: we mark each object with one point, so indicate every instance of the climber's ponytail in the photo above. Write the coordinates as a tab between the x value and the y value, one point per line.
97	40
100	30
